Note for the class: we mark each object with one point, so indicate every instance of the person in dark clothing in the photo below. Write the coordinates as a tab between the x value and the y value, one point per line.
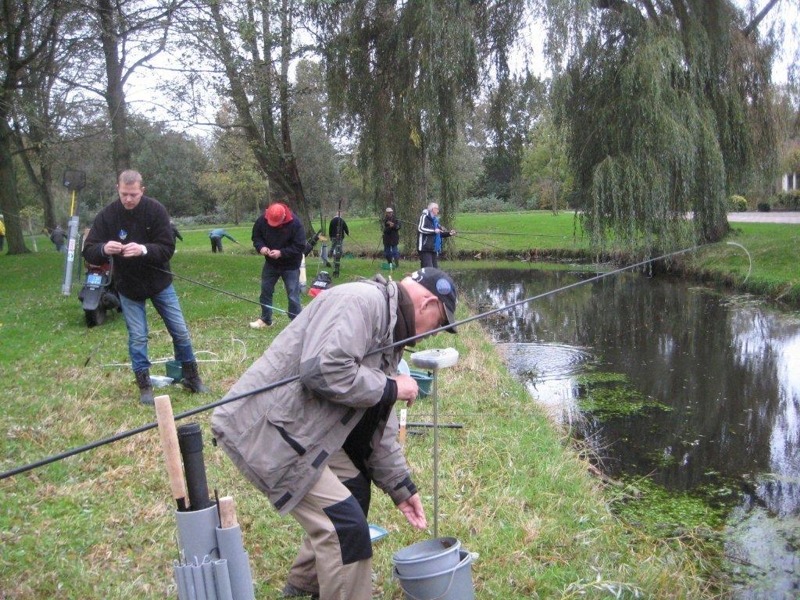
134	233
429	236
391	237
278	235
175	233
216	235
337	229
58	236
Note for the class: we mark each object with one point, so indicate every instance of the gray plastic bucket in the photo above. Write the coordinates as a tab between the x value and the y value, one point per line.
428	557
453	584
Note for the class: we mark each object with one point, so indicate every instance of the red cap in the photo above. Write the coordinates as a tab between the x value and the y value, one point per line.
276	214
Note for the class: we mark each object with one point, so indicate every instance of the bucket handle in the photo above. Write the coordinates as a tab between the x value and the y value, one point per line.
442	595
447	589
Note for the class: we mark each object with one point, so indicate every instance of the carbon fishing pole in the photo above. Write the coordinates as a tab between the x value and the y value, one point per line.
404	342
220	290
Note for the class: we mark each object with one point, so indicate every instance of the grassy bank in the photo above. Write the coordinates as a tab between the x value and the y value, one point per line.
101	524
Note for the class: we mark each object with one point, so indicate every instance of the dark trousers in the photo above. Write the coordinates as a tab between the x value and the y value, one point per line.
429	259
216	244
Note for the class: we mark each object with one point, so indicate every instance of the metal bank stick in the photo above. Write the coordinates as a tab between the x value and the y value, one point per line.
433	360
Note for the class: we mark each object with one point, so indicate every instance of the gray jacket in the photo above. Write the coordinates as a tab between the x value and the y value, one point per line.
282	438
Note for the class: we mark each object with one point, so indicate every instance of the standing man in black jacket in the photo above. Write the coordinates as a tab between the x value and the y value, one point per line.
278	236
391	237
135	234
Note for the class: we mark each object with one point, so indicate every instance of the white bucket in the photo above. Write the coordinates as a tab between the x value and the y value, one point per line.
452	584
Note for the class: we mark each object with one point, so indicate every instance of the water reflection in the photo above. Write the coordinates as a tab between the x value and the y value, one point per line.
720	366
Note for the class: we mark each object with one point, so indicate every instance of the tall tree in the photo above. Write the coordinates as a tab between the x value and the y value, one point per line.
515	103
27	28
131	33
252	42
667	108
402	74
316	156
45	108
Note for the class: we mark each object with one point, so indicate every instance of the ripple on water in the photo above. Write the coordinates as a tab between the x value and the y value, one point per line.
549	372
545	361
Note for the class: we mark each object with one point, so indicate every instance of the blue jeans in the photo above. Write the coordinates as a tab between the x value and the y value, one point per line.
168	307
291	279
390	252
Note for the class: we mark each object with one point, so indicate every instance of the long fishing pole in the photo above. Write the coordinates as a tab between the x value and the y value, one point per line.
404	342
477	241
216	289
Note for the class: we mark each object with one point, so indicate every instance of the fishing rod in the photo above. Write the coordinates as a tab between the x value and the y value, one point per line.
220	290
477	241
404	342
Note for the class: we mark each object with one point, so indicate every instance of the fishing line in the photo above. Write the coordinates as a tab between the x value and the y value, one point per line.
477	241
404	342
220	290
749	258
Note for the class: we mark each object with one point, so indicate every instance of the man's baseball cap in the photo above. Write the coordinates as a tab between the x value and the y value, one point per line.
441	284
389	209
276	214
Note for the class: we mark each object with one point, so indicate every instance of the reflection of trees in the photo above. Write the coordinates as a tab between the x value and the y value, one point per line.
715	365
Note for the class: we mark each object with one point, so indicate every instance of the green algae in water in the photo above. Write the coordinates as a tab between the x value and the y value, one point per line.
662	513
607	395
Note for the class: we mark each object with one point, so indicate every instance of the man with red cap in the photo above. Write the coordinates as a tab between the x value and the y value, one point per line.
278	235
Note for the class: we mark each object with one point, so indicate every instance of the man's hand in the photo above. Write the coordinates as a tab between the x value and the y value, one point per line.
264	251
413	511
407	389
133	249
113	247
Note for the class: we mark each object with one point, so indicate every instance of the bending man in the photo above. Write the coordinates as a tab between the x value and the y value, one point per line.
314	446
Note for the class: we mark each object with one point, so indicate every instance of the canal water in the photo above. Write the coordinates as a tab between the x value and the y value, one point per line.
701	392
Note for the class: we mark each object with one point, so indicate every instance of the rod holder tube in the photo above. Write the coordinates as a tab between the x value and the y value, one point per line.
223	579
207	569
231	548
190	440
197	535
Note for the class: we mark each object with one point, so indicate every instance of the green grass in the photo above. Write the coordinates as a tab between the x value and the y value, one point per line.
101	524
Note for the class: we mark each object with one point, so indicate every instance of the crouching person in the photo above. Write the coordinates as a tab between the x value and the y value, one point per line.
315	445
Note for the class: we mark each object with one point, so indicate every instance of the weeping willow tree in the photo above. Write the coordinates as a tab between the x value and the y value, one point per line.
401	74
667	109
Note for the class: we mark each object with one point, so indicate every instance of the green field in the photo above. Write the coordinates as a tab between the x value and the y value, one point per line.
101	524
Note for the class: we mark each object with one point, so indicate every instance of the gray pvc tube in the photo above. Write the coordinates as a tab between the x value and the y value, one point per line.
231	548
188	582
177	574
207	569
223	580
199	586
196	533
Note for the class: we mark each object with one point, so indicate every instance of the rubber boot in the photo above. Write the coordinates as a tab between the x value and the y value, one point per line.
191	378
145	387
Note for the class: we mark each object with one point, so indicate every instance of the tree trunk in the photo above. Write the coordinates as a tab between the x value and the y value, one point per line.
114	94
289	161
9	200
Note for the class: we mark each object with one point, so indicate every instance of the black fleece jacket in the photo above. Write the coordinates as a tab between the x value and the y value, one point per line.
134	277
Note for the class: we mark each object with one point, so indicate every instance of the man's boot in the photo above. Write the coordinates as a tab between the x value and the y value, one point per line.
191	378
145	387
